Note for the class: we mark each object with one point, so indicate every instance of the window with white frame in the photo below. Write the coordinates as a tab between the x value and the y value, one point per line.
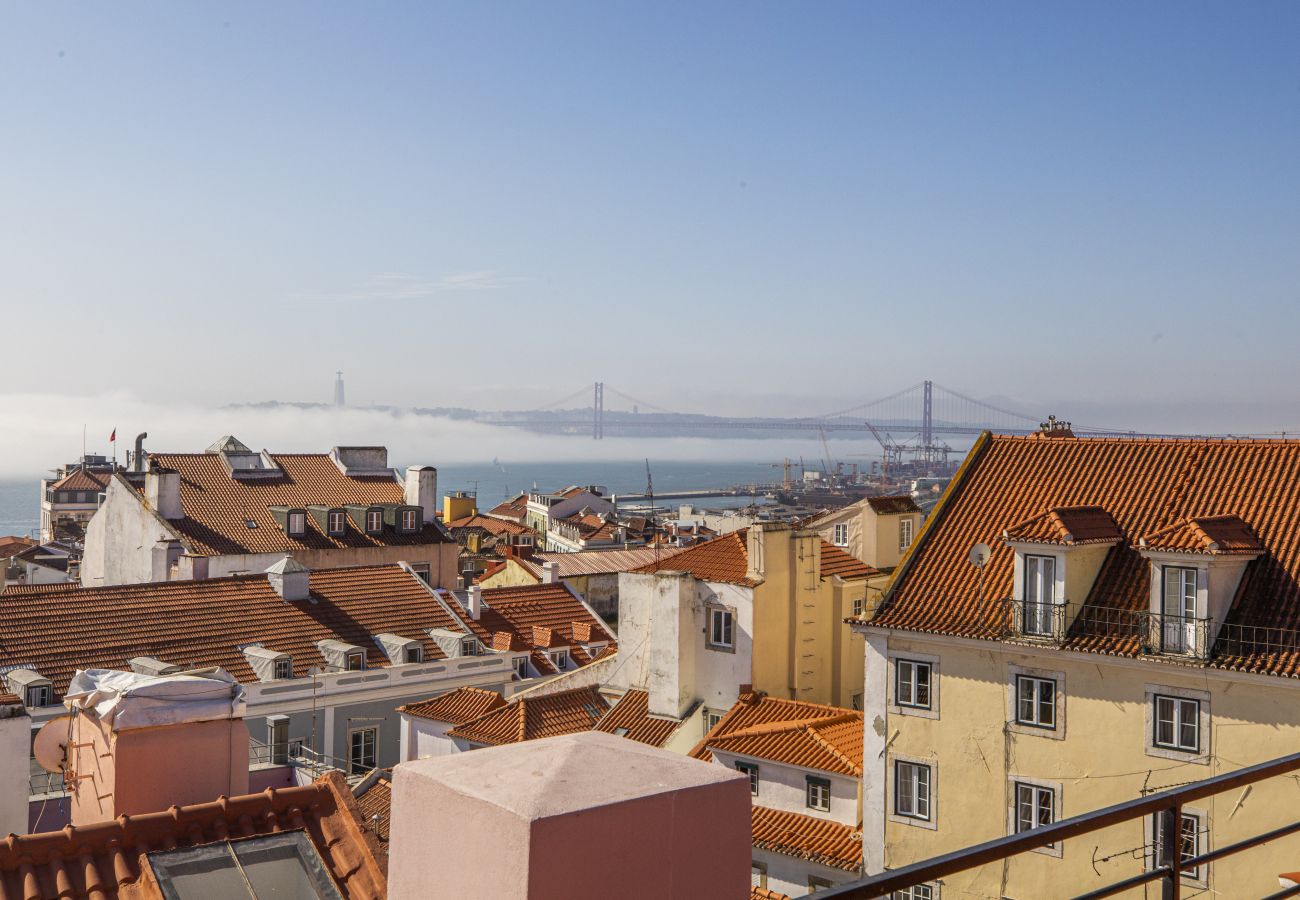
1035	701
374	521
1040	594
363	750
421	571
1177	723
283	668
841	534
521	667
1178	622
337	522
711	718
915	892
912	683
297	523
410	522
1035	806
751	770
1189	842
413	653
904	534
38	695
912	790
859	604
560	659
469	647
721	627
818	793
356	661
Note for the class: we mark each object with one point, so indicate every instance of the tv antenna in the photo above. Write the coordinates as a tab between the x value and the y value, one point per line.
978	556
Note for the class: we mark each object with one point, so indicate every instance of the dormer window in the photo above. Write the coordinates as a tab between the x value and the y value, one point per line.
38	695
337	522
283	668
374	521
521	667
560	659
413	653
297	523
410	521
1040	594
469	647
356	661
1178	626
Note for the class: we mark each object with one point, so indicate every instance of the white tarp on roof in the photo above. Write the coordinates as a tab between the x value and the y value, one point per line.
125	700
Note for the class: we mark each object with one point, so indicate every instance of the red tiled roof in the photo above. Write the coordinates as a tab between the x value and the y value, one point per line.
82	480
806	837
596	562
830	744
492	568
1149	487
528	718
762	893
12	545
754	708
376	806
457	707
1067	525
894	503
836	562
632	712
490	524
513	509
1215	535
218	507
58	629
74	862
724	560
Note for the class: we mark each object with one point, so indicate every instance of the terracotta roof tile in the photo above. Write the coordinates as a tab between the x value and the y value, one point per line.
218	507
376	807
597	562
1149	487
12	545
895	503
59	861
490	524
1215	535
1067	525
519	610
82	480
830	744
836	562
805	837
58	629
632	712
762	893
513	509
528	718
457	707
724	560
754	708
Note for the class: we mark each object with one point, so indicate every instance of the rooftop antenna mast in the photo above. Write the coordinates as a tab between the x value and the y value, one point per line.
650	496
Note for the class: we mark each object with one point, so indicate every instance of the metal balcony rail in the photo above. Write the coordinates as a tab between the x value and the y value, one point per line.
1169	864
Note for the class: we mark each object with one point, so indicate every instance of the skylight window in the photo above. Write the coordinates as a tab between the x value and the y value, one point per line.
273	865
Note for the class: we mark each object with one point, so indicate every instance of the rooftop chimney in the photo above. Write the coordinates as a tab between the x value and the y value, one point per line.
475	605
142	743
165	555
550	572
15	768
422	490
290	578
137	460
162	491
681	827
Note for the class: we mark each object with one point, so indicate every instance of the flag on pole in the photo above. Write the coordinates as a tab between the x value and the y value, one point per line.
112	437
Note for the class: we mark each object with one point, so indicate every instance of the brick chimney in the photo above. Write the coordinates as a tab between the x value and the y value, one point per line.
530	813
162	491
143	743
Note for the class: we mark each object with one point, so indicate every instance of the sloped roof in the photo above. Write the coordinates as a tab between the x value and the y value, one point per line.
490	524
632	711
528	718
1147	486
836	562
218	507
57	629
1214	535
375	806
1067	525
724	560
59	861
807	837
82	480
762	893
597	562
830	744
457	707
513	509
754	708
892	504
12	545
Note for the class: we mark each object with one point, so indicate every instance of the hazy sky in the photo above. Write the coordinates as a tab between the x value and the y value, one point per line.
748	207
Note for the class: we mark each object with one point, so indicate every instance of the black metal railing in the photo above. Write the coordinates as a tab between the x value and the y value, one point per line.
1148	632
1169	865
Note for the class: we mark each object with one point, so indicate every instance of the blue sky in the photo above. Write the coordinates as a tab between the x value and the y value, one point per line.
759	207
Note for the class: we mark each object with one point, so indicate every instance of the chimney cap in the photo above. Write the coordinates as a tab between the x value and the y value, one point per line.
286	565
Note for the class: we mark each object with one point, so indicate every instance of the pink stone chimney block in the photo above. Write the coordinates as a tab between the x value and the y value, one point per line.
582	817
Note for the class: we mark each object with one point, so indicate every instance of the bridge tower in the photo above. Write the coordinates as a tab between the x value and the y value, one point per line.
927	418
598	412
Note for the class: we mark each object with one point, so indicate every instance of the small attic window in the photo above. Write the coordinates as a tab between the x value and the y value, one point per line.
469	647
39	695
356	661
337	522
374	520
284	668
410	521
413	653
297	523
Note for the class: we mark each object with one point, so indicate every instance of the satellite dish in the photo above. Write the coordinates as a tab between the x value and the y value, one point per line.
979	555
50	746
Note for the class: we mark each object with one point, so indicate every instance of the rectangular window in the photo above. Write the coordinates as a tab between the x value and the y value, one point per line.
296	748
858	604
409	521
1189	845
1035	807
469	647
819	793
363	750
297	523
1035	702
841	535
1040	594
414	653
912	790
1177	724
915	892
356	661
560	659
38	695
720	628
912	683
711	719
752	771
855	702
337	522
284	668
904	535
1179	613
521	667
422	572
374	521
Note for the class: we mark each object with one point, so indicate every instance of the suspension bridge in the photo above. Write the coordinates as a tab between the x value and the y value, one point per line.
913	421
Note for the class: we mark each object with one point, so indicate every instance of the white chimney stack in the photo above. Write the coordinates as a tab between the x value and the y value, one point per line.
421	489
290	579
550	572
15	745
475	601
162	491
